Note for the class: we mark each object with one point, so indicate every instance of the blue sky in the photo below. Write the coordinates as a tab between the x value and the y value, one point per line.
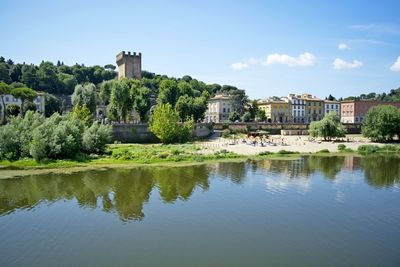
266	47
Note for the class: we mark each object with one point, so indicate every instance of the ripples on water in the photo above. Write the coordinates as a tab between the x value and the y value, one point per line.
311	211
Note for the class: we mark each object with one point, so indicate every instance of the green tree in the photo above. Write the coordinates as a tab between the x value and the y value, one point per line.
328	128
120	100
4	89
52	105
142	103
164	123
261	115
184	106
382	123
85	95
29	76
168	92
13	110
67	83
25	94
234	116
47	76
4	73
82	113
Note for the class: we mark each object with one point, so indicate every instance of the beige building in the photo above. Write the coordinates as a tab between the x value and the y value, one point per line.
276	111
332	106
315	108
218	109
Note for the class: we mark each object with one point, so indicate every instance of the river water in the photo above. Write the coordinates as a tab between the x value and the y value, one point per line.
311	211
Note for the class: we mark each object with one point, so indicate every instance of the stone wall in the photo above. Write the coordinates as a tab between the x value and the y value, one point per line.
140	133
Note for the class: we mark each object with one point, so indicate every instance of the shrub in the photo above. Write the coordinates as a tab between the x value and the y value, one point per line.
264	153
13	110
322	151
368	149
341	147
226	133
286	152
96	137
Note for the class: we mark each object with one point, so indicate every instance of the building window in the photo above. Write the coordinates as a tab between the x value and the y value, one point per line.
223	110
7	99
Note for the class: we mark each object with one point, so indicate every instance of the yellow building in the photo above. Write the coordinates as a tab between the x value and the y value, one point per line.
276	111
315	108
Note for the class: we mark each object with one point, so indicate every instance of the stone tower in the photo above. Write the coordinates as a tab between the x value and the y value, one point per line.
129	65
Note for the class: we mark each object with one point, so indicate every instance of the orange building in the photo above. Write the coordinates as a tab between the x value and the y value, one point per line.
354	111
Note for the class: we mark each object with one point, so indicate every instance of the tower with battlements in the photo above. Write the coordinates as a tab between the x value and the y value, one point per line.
129	65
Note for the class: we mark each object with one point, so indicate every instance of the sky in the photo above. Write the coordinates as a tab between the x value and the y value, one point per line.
268	48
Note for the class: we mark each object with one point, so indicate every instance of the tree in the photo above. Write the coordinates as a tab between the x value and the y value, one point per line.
29	76
82	113
184	106
142	103
85	95
52	105
234	116
328	128
25	94
246	117
105	91
47	76
261	115
96	137
164	123
382	123
4	73
13	110
4	89
120	100
67	83
168	92
331	98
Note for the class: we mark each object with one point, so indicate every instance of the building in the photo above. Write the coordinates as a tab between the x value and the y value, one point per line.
314	108
218	109
298	107
39	102
332	106
276	110
129	65
354	111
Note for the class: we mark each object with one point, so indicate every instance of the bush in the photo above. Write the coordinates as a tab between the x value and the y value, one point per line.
368	149
322	151
16	136
226	133
96	137
341	147
264	153
286	152
13	110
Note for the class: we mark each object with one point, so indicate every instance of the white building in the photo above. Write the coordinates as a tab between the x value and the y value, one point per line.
218	109
332	106
39	102
298	107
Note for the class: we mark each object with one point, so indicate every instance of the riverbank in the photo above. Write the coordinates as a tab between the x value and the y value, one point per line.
136	155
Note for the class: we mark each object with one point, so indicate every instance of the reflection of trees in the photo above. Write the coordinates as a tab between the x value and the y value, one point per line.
381	171
235	171
328	166
120	191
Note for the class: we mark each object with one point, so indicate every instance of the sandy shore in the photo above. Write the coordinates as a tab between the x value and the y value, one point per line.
291	143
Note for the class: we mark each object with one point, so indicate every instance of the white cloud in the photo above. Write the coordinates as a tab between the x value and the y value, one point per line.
343	46
239	66
340	64
396	65
305	59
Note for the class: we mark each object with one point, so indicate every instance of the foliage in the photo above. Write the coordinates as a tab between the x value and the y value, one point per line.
370	149
58	137
15	137
13	110
261	115
82	113
382	123
85	94
234	116
120	100
246	117
141	103
164	123
328	128
4	89
323	151
52	104
96	137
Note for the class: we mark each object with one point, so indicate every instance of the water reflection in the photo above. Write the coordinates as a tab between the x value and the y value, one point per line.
124	192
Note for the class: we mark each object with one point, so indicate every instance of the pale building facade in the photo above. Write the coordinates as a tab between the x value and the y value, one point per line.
332	106
315	108
218	109
298	107
39	102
